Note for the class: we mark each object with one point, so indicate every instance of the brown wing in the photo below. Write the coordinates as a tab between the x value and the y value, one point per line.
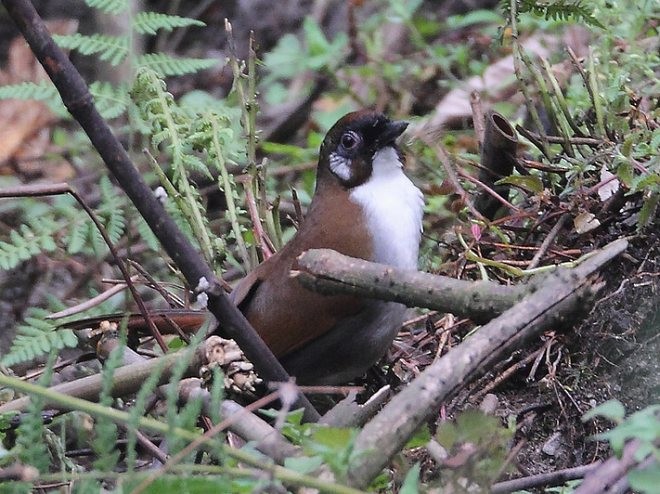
283	312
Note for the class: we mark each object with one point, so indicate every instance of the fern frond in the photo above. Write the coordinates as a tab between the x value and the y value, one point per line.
558	10
37	337
33	449
112	49
29	240
146	234
166	65
108	6
150	22
43	91
111	101
105	440
112	210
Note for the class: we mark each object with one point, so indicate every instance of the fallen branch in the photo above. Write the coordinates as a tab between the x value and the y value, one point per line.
564	294
549	479
328	272
126	380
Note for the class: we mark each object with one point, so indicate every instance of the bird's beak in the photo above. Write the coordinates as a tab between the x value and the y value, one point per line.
392	130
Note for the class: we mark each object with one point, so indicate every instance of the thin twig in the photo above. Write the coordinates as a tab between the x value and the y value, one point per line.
477	117
549	479
445	161
92	302
547	241
479	183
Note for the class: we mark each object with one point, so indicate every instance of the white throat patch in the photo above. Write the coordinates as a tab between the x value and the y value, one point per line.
393	209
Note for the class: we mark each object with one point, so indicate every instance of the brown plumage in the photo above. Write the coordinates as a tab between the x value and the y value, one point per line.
327	339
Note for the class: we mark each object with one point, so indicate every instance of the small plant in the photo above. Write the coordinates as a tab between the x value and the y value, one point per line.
642	426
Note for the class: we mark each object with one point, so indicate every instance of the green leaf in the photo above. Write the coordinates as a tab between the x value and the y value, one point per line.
150	22
647	213
645	481
321	53
530	183
403	11
474	17
111	100
108	6
303	464
612	410
166	65
411	482
286	59
643	425
447	435
421	437
189	485
112	49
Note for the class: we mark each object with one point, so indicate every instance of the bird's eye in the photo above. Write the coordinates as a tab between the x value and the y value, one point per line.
350	140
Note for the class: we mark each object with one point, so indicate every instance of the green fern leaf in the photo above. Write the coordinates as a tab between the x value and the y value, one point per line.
166	65
111	101
112	211
76	238
36	337
108	6
112	49
146	234
43	91
150	22
27	241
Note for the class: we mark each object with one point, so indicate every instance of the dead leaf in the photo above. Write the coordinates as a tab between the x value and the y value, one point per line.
21	121
585	222
610	184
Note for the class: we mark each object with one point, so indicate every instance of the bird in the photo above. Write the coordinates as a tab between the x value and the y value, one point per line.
363	206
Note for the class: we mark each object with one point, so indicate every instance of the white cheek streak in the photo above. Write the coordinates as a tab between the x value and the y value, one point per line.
393	208
340	166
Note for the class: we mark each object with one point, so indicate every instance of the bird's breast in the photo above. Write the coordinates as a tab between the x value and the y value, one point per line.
392	207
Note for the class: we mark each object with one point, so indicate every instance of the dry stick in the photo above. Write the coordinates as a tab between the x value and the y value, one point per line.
548	241
126	380
64	188
446	163
92	302
583	141
488	190
506	374
477	116
151	282
563	293
329	272
549	479
78	100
